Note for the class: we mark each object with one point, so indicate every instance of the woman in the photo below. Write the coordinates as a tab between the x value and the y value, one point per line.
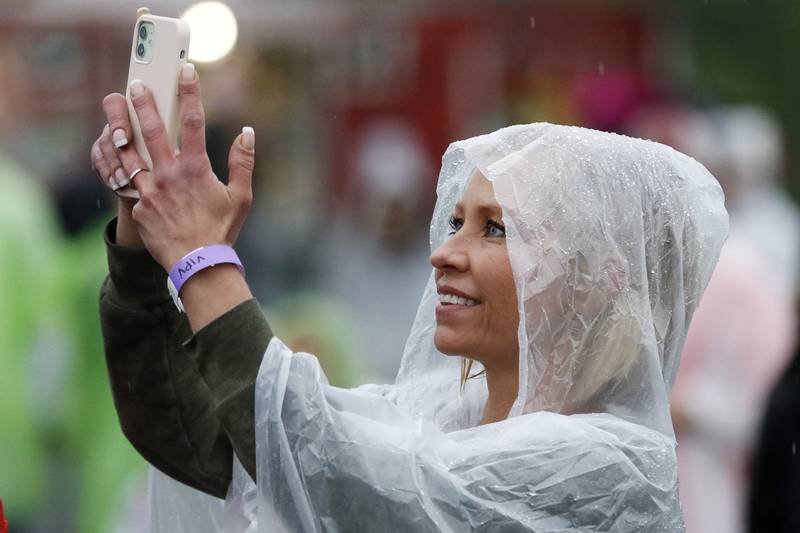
567	264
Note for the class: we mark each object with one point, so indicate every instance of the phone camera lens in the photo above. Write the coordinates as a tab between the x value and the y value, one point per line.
140	50
143	32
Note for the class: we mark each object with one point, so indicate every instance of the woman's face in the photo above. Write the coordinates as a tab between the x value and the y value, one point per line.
477	313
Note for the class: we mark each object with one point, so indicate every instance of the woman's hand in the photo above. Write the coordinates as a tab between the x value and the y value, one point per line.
182	205
106	162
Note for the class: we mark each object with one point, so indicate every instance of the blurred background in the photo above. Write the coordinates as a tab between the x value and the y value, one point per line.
353	103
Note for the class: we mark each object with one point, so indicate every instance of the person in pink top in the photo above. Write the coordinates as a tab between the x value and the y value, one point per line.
741	334
738	342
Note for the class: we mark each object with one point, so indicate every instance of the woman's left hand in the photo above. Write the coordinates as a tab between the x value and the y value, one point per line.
183	205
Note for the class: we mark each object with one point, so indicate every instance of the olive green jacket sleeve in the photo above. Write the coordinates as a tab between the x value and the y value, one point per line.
185	402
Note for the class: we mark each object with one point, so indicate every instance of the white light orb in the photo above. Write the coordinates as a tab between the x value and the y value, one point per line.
214	31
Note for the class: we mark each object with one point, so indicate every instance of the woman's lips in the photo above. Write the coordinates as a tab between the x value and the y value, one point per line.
447	311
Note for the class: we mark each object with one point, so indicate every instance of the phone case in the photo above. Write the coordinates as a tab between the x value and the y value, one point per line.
170	38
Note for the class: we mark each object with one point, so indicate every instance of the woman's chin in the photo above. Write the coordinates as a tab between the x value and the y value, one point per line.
448	342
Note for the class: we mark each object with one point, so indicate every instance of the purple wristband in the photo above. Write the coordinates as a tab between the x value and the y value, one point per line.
202	258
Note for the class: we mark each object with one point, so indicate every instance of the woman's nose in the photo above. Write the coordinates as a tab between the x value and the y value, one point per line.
450	256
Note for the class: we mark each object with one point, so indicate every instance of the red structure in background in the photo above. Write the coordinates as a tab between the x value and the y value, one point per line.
3	521
455	75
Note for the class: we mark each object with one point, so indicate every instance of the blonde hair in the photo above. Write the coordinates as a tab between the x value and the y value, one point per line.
611	357
466	366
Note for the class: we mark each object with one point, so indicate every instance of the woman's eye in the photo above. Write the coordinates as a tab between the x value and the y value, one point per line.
495	229
455	224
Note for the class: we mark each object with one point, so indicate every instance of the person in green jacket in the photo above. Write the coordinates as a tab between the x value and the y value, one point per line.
62	459
28	258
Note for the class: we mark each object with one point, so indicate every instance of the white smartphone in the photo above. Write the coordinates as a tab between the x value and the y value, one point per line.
160	47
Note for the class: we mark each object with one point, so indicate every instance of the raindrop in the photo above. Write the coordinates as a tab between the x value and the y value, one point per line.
794	448
533	22
601	68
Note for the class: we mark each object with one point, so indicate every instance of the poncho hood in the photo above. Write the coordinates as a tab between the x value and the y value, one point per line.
612	241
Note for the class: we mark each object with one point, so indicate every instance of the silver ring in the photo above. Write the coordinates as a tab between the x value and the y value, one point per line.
135	172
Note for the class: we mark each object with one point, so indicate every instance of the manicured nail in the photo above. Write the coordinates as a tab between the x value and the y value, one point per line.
137	89
248	138
120	139
112	183
187	72
121	178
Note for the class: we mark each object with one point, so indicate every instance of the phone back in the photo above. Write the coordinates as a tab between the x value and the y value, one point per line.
164	49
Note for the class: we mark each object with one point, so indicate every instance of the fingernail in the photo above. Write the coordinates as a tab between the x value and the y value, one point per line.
112	183
120	139
105	129
121	178
137	89
248	138
187	72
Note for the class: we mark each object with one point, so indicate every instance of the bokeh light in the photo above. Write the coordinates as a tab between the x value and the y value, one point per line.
214	31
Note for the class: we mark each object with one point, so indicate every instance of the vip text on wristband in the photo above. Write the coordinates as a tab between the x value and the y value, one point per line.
200	259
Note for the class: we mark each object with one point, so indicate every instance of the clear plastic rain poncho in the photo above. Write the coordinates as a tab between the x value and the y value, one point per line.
611	241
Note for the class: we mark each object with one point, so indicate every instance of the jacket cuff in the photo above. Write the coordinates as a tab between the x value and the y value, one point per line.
135	278
229	350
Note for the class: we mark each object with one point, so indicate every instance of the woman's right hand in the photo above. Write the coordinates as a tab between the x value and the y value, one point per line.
106	163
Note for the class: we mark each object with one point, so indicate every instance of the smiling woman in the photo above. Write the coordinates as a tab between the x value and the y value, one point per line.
567	263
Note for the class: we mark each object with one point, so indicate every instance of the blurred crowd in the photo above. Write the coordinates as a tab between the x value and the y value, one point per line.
353	107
